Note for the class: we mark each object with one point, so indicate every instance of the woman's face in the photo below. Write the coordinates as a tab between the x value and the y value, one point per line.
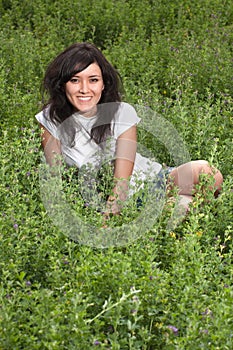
85	88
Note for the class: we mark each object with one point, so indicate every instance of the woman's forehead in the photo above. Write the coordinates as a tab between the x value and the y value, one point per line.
91	69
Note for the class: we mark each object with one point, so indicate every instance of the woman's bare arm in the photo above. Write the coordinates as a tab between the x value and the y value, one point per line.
51	146
125	156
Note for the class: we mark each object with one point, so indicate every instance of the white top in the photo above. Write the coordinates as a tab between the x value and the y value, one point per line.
82	150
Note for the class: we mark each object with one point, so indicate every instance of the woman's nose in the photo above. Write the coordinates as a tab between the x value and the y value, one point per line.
83	86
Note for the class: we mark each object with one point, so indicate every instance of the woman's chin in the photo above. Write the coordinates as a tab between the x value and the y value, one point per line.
88	112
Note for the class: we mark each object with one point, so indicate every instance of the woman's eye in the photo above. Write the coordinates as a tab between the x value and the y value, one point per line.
94	80
74	80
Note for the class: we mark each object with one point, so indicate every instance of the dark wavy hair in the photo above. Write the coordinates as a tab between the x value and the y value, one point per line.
71	61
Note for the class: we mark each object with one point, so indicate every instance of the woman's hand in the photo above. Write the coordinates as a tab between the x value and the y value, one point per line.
116	201
113	207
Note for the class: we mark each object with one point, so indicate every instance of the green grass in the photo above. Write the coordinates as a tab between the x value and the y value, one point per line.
165	290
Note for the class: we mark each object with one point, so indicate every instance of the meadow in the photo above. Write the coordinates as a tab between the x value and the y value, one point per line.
167	289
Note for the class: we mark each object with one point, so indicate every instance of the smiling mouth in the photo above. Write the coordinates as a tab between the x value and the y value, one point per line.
84	98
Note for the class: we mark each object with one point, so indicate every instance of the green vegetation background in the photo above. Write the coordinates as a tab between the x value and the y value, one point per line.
167	290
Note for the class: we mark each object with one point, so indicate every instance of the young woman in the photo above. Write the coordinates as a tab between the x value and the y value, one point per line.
84	111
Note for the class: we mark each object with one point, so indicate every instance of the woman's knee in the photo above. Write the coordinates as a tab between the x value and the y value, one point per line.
201	162
203	167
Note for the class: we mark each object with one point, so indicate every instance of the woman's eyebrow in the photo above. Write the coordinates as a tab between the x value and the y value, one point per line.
94	75
90	76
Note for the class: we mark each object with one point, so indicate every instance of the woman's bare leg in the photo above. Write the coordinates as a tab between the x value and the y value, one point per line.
187	176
